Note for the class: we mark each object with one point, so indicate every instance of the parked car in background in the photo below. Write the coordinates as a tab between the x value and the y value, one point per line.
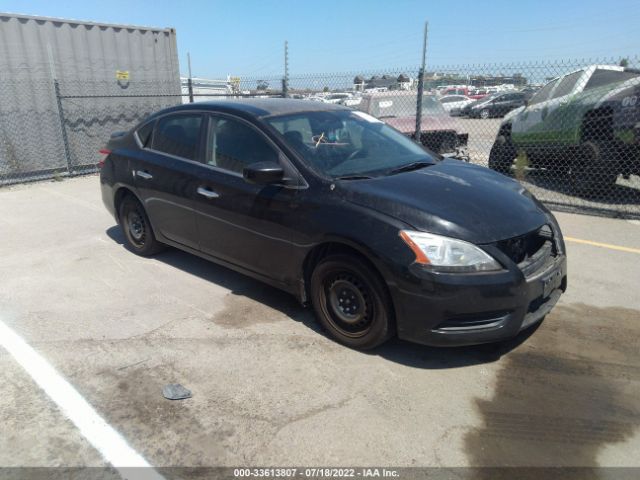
455	103
352	101
454	91
337	98
585	124
398	108
380	236
478	94
496	105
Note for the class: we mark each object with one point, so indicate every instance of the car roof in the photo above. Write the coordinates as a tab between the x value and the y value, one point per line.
257	107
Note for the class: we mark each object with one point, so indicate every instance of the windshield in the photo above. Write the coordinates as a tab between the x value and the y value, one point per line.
345	143
403	106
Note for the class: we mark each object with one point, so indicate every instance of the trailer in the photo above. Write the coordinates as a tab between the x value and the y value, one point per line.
65	85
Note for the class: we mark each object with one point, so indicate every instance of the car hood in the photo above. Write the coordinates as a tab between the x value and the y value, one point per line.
452	198
512	114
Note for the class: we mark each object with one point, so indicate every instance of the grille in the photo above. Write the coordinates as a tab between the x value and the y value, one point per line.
443	141
530	250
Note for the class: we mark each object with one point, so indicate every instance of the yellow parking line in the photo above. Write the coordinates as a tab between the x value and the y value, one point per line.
603	245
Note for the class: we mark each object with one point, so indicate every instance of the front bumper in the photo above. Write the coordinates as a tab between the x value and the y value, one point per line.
465	309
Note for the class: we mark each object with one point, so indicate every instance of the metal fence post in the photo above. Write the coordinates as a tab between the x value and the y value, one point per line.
421	84
419	104
189	81
65	140
190	86
285	80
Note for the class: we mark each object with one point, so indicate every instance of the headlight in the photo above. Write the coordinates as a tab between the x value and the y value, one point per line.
446	254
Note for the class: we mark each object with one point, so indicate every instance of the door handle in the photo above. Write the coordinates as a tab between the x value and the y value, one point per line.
143	174
205	192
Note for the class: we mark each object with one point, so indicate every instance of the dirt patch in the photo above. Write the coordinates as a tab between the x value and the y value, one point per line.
136	405
568	392
265	306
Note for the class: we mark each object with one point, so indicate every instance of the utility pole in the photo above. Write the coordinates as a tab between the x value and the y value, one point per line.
189	82
421	84
285	80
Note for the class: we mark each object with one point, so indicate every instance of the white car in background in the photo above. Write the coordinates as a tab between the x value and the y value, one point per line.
354	101
337	98
455	103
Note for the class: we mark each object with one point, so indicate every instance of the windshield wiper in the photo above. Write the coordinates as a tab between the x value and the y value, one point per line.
409	167
353	177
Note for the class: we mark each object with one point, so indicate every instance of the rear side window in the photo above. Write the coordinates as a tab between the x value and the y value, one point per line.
178	135
604	77
565	87
144	134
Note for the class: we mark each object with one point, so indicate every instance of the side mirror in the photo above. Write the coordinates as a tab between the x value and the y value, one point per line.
263	173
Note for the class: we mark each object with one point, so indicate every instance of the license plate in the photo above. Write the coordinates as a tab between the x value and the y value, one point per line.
551	282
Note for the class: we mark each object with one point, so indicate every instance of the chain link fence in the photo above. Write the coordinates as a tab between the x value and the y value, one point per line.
569	131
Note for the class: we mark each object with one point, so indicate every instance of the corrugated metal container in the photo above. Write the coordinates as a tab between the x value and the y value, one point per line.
109	63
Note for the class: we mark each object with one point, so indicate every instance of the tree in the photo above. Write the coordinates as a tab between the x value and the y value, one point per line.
325	89
624	62
262	85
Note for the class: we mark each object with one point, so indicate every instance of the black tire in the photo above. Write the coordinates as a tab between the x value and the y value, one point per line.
502	155
351	302
138	234
593	171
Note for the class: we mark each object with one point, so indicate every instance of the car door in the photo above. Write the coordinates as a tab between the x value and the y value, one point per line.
557	122
240	222
508	102
526	126
163	172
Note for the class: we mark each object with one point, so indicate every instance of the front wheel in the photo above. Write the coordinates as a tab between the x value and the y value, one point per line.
502	154
484	114
351	302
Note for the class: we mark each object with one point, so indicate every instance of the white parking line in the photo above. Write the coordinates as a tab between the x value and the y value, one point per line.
113	448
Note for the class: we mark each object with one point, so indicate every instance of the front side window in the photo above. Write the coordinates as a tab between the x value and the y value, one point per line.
544	92
234	145
178	135
347	144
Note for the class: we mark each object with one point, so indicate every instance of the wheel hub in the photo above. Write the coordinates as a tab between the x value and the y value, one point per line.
347	302
136	226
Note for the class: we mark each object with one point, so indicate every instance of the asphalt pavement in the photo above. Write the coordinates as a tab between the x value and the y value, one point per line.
268	387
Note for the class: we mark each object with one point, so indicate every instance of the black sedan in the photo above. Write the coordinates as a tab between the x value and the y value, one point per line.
496	105
379	235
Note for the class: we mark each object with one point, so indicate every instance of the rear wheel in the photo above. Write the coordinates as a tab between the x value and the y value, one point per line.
593	171
351	302
484	114
502	154
136	227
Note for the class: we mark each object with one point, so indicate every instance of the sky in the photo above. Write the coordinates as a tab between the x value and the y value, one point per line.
247	37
